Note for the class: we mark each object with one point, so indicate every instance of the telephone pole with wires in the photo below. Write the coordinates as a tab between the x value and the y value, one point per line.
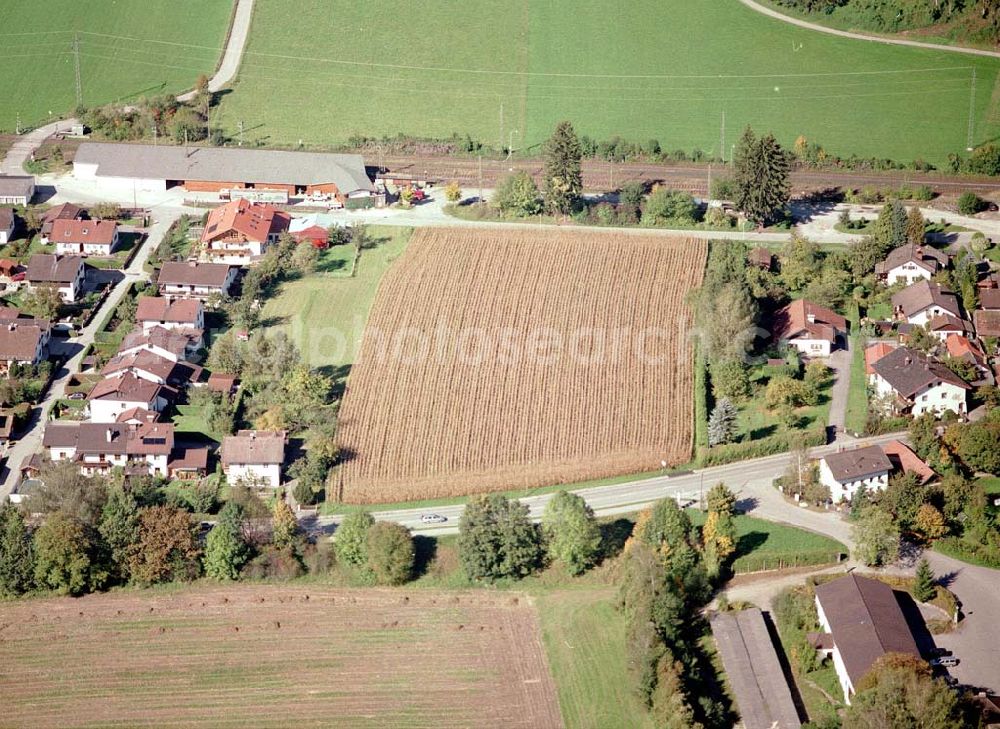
722	137
76	65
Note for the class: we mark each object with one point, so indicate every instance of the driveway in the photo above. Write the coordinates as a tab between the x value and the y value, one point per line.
840	362
234	50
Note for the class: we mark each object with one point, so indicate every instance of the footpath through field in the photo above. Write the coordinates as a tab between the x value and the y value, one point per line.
861	36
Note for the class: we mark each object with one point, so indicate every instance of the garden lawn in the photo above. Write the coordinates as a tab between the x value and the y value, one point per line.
857	395
762	544
756	422
325	313
127	50
191	420
508	71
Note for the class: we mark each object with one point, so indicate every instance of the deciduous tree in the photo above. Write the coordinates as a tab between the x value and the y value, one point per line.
572	535
65	556
930	522
517	196
285	527
876	537
226	550
350	539
496	539
390	553
119	528
899	691
167	547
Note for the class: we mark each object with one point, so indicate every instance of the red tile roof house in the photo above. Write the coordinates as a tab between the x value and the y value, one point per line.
924	300
67	273
905	460
913	383
863	622
254	457
810	328
911	263
240	232
874	353
159	311
6	225
191	280
23	342
85	237
66	211
114	395
963	348
100	447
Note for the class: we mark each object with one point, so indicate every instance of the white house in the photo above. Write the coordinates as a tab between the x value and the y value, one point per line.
847	471
159	311
862	621
23	342
911	263
175	345
913	383
195	280
812	329
16	189
113	396
254	457
84	237
100	447
923	301
6	225
66	273
240	232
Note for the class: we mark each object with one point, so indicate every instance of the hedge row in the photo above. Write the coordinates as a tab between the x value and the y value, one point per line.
781	443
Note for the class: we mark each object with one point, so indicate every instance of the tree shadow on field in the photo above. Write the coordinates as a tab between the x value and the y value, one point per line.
749	542
424	553
614	534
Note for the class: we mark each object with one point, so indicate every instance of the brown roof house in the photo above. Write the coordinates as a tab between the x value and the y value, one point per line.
905	460
159	311
254	457
809	327
911	263
762	258
173	344
66	211
909	381
66	273
924	300
114	395
99	447
84	237
847	471
942	327
863	621
16	189
240	232
987	323
874	353
149	365
23	342
192	280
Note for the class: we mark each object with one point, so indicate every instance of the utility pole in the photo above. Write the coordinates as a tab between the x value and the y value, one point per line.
501	125
241	132
611	165
709	196
76	64
480	179
17	124
722	138
972	112
154	134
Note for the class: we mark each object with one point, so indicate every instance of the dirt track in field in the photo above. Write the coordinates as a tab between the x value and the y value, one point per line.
270	656
501	359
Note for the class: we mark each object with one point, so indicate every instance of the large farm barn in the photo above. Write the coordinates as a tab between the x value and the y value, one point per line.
210	169
506	358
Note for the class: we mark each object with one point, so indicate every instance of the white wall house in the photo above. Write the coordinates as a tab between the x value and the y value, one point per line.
843	677
254	457
847	471
916	384
908	273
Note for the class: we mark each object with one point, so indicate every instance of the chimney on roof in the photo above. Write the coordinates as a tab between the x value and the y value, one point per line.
906	360
811	317
109	435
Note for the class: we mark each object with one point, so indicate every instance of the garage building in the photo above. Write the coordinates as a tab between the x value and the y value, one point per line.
156	168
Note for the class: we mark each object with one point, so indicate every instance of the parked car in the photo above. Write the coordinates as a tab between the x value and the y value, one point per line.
433	519
938	652
77	396
946	662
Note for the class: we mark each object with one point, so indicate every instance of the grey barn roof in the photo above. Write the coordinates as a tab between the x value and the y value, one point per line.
226	164
754	671
16	185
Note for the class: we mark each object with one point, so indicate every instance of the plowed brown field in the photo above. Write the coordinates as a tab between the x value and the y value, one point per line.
269	656
509	358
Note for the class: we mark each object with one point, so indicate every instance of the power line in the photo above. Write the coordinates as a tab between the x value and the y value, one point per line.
972	112
76	64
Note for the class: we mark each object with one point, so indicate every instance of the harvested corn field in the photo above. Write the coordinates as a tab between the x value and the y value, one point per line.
269	656
510	358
